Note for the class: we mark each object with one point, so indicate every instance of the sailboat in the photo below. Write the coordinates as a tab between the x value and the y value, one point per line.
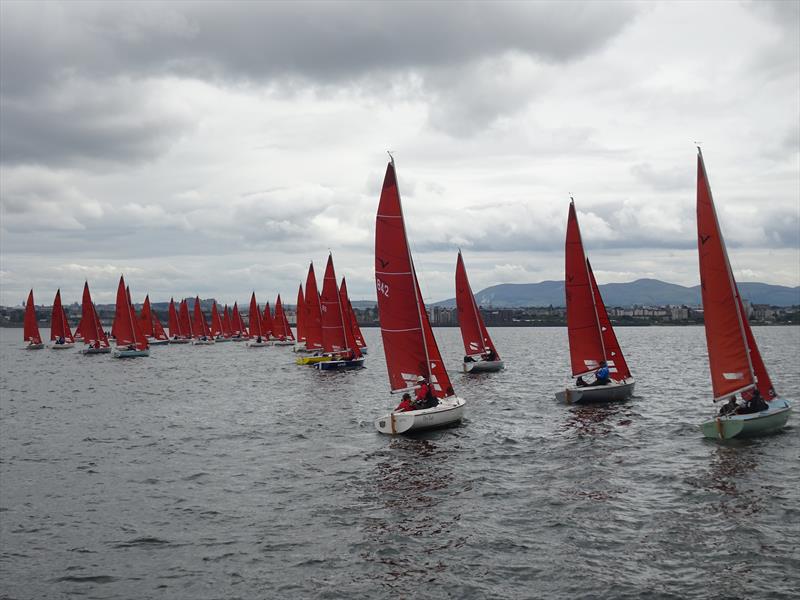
480	355
267	326
350	313
733	356
217	326
94	338
30	332
283	332
300	343
312	322
227	328
176	333
202	333
408	342
592	340
337	331
258	338
151	326
239	331
59	326
130	340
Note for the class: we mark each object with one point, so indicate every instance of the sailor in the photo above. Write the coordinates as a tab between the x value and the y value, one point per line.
424	397
490	356
406	404
60	339
754	404
579	382
468	359
258	340
601	376
729	408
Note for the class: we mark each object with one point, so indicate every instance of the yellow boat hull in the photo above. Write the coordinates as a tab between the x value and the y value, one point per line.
310	360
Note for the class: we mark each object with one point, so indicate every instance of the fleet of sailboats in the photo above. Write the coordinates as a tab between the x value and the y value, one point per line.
328	335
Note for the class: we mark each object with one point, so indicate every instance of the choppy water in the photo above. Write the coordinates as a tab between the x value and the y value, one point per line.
227	472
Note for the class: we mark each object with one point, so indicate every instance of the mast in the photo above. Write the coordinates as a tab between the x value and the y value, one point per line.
413	272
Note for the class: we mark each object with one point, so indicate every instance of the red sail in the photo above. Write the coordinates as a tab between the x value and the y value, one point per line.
313	316
185	321
200	325
347	306
473	330
266	322
59	327
585	342
99	326
147	317
349	333
158	329
256	330
332	316
728	357
763	382
227	328
217	329
238	322
174	322
300	315
617	366
125	322
78	330
408	341
31	327
281	323
92	332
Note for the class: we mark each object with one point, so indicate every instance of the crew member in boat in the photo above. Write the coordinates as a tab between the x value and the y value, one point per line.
729	408
490	356
754	404
258	340
60	340
602	376
406	404
468	359
579	382
424	396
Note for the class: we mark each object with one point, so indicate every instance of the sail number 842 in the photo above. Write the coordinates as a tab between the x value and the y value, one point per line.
382	287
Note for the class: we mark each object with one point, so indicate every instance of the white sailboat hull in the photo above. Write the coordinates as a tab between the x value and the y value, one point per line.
63	346
255	344
766	421
483	366
612	392
35	346
155	342
208	342
100	350
449	411
180	341
123	353
283	342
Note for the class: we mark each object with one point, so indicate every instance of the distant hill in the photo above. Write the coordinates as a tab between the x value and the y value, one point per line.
642	292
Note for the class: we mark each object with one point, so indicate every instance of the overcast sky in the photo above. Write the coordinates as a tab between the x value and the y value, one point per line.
216	148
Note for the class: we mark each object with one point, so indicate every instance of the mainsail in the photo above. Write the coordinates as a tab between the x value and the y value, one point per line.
473	330
30	327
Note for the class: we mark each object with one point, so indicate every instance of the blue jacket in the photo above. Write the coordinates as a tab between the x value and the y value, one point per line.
602	373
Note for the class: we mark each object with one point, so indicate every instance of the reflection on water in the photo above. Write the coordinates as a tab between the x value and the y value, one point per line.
598	419
412	477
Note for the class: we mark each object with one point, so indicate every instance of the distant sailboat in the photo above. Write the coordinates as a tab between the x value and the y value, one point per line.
300	316
227	328
411	350
217	326
151	326
592	340
60	333
266	323
258	339
480	355
240	333
130	340
185	320
733	356
202	332
94	338
283	332
176	333
30	332
337	331
312	322
350	313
